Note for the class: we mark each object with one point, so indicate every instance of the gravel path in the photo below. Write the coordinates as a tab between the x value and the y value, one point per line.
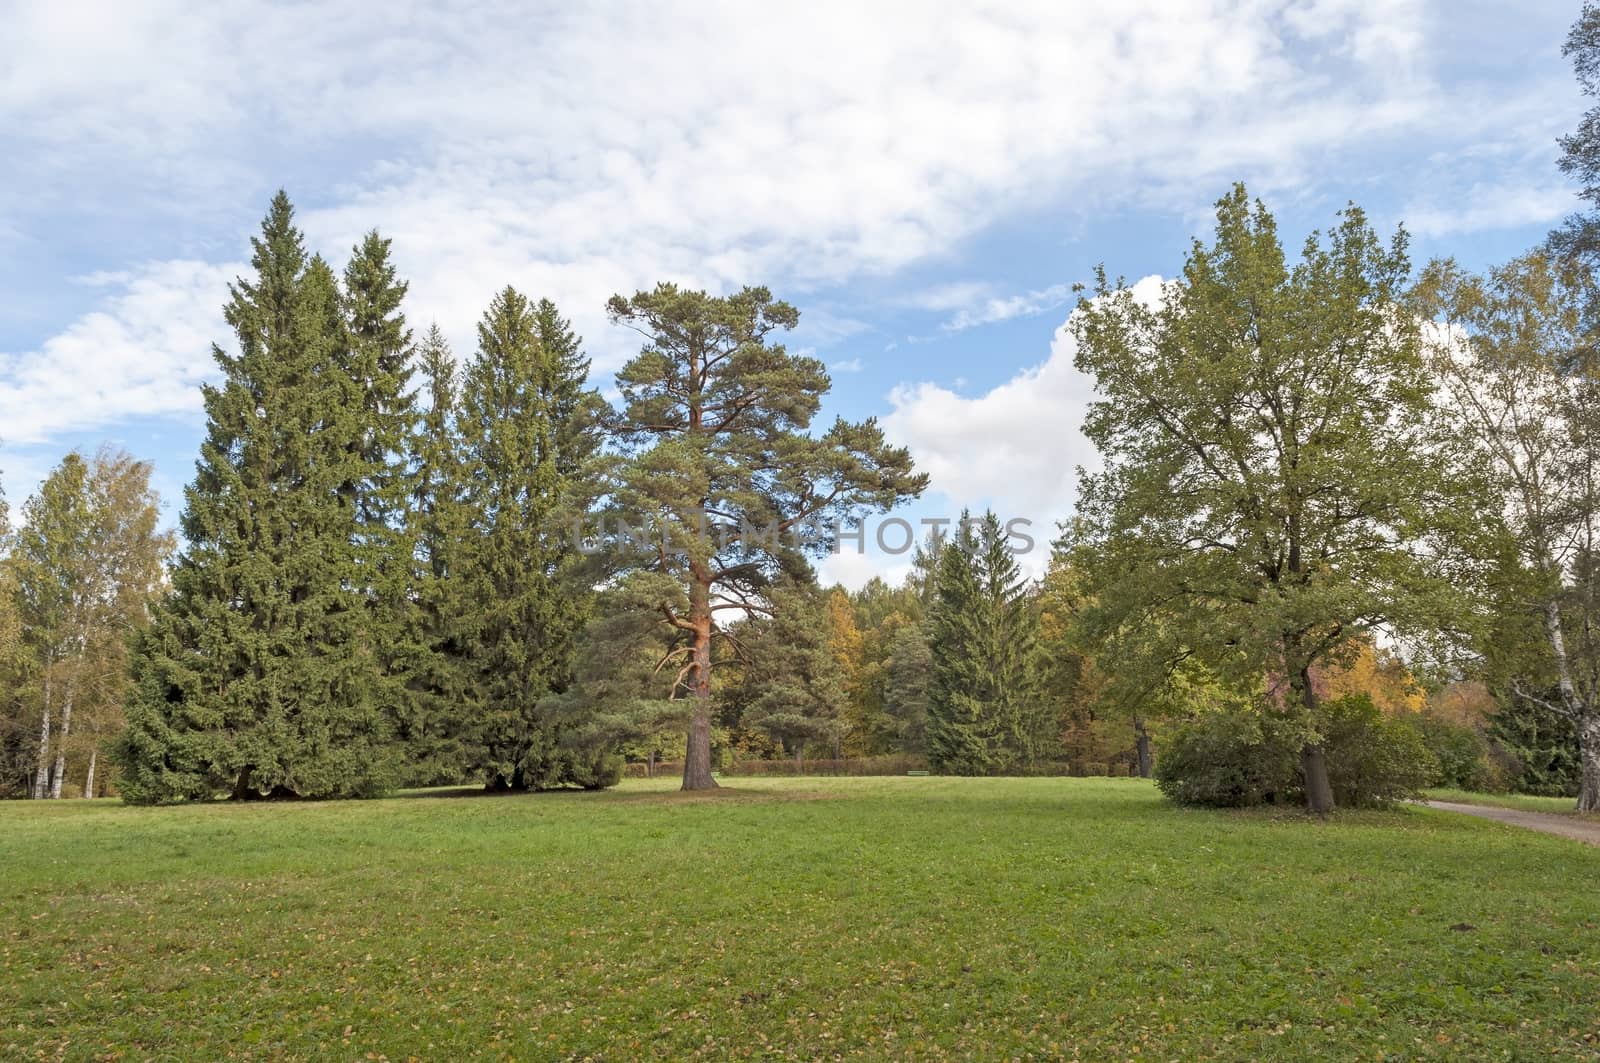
1583	830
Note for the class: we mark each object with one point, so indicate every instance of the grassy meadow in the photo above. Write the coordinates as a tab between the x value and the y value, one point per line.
781	918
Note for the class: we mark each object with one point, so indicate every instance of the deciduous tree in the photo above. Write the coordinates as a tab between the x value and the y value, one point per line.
1271	473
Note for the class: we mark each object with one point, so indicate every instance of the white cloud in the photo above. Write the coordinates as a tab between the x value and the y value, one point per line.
1490	205
1004	308
144	353
1016	447
848	365
584	150
854	570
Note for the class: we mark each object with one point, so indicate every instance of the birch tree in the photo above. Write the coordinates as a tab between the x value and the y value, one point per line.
1518	363
89	564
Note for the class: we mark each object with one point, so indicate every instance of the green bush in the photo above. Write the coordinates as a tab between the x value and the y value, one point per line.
1235	760
1373	759
1466	758
595	770
1229	760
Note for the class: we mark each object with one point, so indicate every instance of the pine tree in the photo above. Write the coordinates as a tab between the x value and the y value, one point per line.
521	577
983	715
257	676
719	463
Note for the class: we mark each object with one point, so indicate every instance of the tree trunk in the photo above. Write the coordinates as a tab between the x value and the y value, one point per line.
1143	746
41	778
1589	755
88	782
1313	765
1319	792
697	756
60	773
650	765
799	757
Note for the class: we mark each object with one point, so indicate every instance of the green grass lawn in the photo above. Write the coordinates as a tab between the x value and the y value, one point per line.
791	918
1527	802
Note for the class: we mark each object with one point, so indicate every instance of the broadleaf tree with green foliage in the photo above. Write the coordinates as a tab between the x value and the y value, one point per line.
1273	473
1515	352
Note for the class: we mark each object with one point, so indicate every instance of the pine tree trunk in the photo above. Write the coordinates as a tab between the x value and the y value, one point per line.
1589	755
60	773
1143	747
650	765
799	757
41	778
697	756
88	782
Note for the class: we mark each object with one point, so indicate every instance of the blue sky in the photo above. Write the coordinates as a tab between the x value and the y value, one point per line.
925	181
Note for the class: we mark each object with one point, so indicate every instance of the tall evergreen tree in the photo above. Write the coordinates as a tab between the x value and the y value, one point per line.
433	727
794	682
1578	239
982	713
909	677
520	572
378	364
721	467
257	675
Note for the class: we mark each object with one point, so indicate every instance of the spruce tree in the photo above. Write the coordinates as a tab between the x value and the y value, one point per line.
909	674
379	354
521	577
794	685
433	725
983	715
258	674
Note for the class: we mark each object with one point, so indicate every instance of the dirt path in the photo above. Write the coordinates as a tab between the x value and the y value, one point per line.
1583	830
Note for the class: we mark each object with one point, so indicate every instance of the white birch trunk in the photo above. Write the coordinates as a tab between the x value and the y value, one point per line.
60	772
88	782
41	779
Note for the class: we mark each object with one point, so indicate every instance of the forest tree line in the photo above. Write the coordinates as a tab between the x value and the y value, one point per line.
1340	545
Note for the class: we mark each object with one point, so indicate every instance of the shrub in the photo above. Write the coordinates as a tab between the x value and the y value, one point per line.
1466	759
1227	760
1373	759
595	770
1239	759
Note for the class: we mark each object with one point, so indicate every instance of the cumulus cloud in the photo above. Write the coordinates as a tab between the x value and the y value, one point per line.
1016	447
1004	308
581	150
144	353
